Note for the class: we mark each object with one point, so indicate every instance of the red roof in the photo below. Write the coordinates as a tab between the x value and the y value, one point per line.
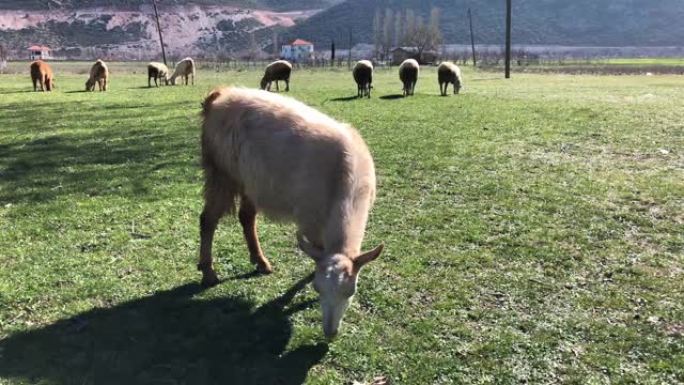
38	48
301	42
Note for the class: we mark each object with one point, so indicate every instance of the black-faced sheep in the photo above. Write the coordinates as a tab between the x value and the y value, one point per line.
157	71
363	75
278	156
99	73
449	73
276	71
185	69
408	73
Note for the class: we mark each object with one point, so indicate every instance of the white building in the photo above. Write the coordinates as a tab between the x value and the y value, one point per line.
39	52
298	50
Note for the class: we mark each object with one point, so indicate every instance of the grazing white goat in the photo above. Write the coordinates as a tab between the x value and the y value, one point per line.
363	75
449	73
278	156
408	74
185	68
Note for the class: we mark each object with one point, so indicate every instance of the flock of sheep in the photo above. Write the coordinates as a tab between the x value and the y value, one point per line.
264	152
280	70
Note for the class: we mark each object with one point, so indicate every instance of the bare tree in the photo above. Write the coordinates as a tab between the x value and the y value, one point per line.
3	57
398	29
276	50
387	32
410	26
377	33
425	37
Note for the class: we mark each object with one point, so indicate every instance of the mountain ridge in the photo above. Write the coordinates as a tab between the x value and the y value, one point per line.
543	22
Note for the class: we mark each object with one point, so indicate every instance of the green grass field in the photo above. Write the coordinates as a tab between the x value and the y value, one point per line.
534	233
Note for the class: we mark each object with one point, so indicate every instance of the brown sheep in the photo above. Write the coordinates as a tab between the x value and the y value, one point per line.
363	75
157	71
281	157
278	70
449	73
99	73
408	74
41	73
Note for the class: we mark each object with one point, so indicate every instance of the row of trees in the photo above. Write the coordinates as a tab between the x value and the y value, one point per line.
393	29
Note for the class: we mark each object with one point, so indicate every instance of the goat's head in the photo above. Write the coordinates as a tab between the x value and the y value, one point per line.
89	84
264	83
335	281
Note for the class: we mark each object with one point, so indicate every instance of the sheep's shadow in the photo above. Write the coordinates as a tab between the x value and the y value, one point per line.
16	92
76	92
392	97
169	337
345	99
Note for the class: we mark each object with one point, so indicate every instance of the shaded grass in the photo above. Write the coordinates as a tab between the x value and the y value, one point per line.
533	230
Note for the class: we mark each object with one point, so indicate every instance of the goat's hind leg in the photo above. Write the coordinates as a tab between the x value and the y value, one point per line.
216	205
247	216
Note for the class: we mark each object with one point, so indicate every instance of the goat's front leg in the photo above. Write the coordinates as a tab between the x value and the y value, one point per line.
247	216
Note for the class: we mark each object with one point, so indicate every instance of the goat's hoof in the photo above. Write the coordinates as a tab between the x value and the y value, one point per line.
264	268
209	279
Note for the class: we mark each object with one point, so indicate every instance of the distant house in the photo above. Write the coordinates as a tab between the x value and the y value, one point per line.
298	50
39	52
400	54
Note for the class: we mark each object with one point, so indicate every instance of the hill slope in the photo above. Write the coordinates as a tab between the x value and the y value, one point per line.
277	5
547	22
125	29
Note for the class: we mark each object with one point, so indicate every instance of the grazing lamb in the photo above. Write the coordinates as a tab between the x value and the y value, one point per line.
408	73
449	73
293	163
41	73
157	71
99	73
185	68
276	71
363	75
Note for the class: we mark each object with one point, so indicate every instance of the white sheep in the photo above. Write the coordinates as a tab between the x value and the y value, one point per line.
363	75
408	74
449	73
99	73
185	68
278	156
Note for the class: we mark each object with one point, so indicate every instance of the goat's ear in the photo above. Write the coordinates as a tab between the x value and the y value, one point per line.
368	256
312	251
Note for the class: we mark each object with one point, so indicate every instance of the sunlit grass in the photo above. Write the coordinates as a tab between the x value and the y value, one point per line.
533	232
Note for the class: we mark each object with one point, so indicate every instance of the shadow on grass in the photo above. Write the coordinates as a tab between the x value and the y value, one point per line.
169	337
392	97
345	99
15	92
121	152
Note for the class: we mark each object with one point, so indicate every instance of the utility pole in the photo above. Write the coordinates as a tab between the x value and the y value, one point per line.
509	7
472	37
350	49
161	39
332	54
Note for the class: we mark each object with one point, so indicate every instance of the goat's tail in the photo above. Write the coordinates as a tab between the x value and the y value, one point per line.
209	100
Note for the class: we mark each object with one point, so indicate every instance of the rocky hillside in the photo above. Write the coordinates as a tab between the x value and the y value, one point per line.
126	29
